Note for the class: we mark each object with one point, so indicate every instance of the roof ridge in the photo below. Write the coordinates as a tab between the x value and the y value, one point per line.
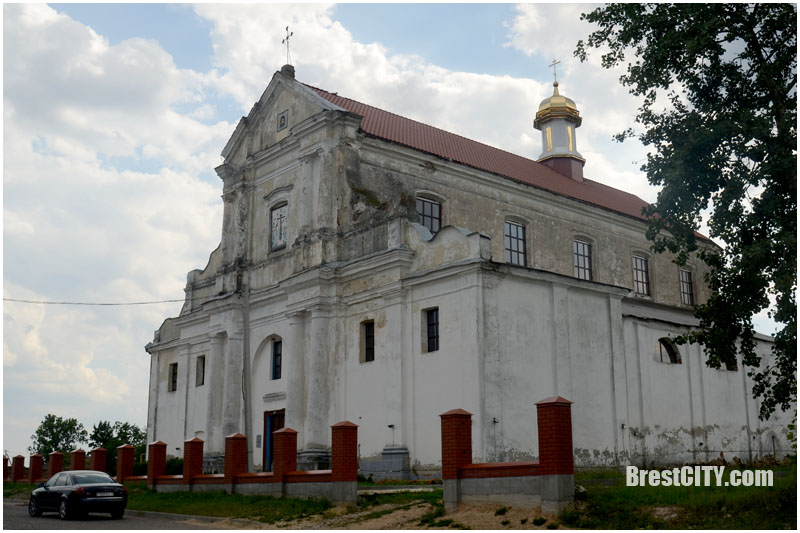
426	125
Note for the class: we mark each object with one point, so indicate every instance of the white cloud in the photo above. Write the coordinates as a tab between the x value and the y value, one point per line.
81	223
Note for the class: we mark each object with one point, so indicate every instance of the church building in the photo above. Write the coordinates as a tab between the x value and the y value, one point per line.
379	270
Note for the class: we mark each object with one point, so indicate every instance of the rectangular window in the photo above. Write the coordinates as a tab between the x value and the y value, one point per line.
200	371
687	290
515	243
172	386
582	259
278	217
277	359
430	214
641	276
368	339
432	323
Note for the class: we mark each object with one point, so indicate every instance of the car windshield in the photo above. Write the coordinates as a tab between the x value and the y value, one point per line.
80	479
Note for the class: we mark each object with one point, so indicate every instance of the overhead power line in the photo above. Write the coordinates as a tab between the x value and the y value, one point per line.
88	303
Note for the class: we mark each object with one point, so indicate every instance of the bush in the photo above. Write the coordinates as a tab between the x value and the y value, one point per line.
539	520
174	466
139	469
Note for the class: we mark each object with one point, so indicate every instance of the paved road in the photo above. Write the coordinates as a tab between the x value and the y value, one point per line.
15	516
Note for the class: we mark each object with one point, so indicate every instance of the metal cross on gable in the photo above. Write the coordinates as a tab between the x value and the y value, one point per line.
286	42
553	64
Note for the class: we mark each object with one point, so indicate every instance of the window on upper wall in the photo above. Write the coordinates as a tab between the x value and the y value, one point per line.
368	341
582	259
668	351
687	288
430	214
278	225
431	329
515	243
172	385
200	371
641	276
277	359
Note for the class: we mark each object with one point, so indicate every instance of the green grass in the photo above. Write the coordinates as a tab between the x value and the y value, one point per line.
17	490
621	507
255	507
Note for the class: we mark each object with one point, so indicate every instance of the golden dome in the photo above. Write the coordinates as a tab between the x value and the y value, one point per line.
557	106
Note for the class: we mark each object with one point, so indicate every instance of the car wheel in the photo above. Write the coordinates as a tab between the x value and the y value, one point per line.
64	510
33	508
117	514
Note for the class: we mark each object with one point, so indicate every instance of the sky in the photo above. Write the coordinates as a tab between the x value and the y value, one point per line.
114	117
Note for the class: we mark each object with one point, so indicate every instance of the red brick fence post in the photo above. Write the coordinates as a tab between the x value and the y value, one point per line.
5	468
77	460
284	455
55	463
125	462
554	421
98	459
192	459
344	462
235	456
456	452
35	468
156	461
17	468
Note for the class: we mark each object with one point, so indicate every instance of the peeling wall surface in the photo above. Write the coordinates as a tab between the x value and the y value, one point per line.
355	253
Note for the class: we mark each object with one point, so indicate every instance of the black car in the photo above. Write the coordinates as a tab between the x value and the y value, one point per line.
77	492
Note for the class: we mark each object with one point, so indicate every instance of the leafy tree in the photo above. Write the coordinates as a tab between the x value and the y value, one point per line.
56	434
111	437
726	139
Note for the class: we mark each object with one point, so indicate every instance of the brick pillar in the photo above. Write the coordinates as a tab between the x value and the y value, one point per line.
78	460
284	455
456	442
124	462
192	459
555	436
5	468
156	461
344	452
98	459
235	456
17	468
35	468
55	463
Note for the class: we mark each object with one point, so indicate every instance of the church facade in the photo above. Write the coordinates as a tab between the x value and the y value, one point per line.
379	270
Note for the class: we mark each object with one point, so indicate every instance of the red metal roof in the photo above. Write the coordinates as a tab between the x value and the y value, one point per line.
394	128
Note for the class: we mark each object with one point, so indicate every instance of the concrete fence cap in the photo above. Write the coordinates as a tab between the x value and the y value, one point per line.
99	449
194	440
235	436
78	450
556	400
34	455
345	424
158	443
456	412
125	446
52	453
285	430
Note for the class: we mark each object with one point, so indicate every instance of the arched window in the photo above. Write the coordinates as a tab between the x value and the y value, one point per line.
668	351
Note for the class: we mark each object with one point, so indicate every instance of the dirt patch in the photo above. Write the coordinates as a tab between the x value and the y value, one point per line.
665	513
491	516
405	516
